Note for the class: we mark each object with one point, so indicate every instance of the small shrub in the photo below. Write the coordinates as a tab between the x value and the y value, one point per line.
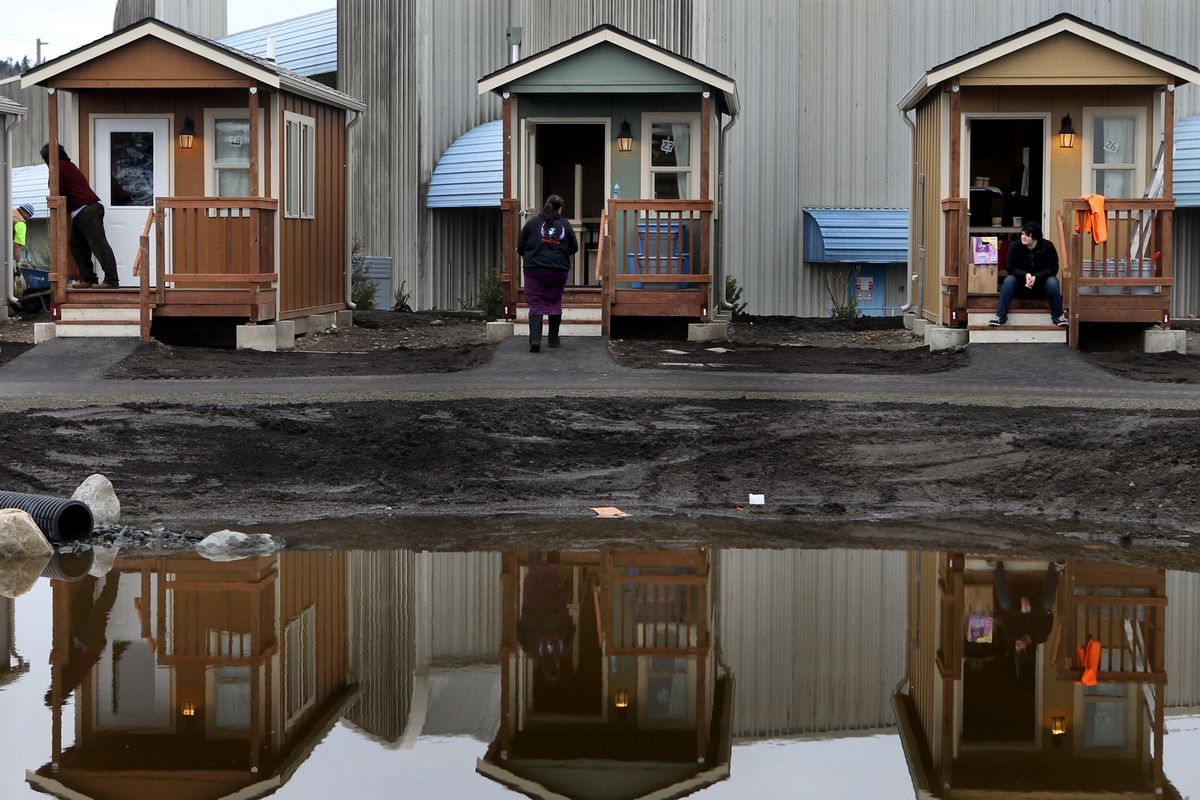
490	298
362	288
843	304
402	301
733	296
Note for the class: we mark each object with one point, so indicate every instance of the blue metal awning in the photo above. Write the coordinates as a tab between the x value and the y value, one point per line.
855	235
31	185
470	174
1186	185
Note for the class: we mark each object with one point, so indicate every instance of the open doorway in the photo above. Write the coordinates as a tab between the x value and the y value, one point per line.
1006	172
569	159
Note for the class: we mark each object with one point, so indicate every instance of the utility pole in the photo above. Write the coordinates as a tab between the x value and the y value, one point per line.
39	51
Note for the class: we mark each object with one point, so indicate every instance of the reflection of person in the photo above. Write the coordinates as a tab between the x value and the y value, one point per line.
546	244
87	224
1026	625
1032	272
20	216
545	630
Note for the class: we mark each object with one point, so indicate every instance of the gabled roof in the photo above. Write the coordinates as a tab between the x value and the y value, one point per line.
260	70
496	81
306	45
1182	71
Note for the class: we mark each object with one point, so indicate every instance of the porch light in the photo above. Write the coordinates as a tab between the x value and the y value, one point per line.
621	703
1066	133
188	708
625	138
1058	729
187	134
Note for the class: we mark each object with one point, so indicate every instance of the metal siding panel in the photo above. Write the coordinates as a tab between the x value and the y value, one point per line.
471	171
1183	644
464	607
814	639
306	45
1185	298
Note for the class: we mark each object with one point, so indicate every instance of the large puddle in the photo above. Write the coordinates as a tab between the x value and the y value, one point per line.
600	674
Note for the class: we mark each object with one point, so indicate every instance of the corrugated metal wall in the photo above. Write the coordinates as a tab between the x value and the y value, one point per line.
814	639
461	606
33	131
205	17
1186	295
833	70
1183	640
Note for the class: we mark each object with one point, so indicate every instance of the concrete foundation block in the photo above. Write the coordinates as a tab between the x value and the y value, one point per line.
708	331
43	332
320	323
499	330
257	337
1156	340
941	338
343	319
919	326
909	319
285	334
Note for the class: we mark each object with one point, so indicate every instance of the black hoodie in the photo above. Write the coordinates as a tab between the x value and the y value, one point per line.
547	244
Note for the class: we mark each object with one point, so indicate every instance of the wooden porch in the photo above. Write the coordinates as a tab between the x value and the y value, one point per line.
213	257
1127	278
653	260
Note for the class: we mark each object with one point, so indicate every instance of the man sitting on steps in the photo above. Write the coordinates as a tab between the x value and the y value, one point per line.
1032	271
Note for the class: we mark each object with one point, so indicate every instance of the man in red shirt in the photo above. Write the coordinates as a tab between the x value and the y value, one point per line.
87	223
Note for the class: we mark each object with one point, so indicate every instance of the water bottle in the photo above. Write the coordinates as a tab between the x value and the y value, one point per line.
616	190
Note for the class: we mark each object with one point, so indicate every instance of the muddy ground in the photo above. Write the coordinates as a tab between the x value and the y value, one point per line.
475	473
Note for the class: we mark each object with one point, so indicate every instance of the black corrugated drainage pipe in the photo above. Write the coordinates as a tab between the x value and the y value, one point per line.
60	520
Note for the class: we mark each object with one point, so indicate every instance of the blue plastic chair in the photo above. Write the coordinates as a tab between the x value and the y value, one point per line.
659	249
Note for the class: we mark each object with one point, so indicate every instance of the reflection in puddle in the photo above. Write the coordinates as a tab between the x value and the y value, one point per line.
599	674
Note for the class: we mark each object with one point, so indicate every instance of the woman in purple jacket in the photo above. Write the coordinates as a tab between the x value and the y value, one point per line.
546	245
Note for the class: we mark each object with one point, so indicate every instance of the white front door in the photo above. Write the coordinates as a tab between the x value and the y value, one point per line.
131	167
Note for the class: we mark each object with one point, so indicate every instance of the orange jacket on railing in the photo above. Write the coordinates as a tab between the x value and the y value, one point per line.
1087	658
1094	220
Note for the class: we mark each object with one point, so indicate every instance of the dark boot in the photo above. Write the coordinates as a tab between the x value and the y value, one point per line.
535	333
555	320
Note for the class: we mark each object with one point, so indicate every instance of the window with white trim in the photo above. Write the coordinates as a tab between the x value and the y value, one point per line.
1114	144
299	166
671	156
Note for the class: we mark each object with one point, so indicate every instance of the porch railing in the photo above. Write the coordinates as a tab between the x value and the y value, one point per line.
658	615
1131	632
1128	277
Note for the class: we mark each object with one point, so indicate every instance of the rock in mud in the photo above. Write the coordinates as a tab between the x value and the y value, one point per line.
20	536
97	492
230	545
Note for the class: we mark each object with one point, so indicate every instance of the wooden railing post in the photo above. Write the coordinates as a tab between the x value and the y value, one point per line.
60	271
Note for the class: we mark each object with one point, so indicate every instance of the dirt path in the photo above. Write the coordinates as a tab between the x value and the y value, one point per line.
825	467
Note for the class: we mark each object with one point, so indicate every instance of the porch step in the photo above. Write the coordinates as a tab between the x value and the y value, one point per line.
93	320
575	312
978	318
1017	334
567	328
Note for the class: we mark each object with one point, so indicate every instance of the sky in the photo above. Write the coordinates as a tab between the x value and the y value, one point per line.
67	24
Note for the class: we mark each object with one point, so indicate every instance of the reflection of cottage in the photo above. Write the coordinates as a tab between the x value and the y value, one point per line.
642	709
978	721
223	176
10	114
1018	131
194	679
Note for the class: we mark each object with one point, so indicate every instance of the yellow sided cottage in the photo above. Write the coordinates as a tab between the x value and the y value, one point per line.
1067	125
